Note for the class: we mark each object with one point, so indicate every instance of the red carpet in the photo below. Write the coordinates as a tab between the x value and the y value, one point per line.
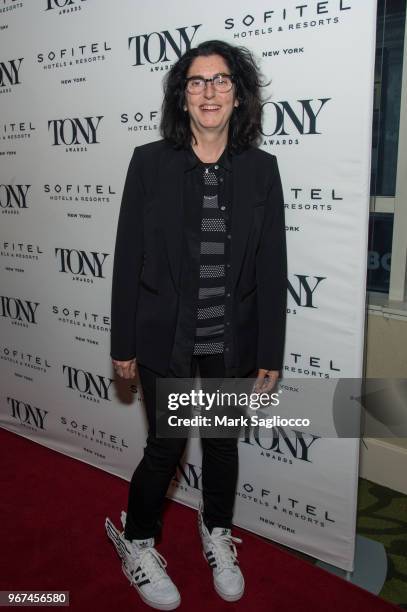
52	522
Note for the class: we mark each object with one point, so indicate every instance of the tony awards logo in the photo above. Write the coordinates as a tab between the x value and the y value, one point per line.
285	120
161	47
83	265
75	133
9	73
19	311
65	6
13	198
302	289
189	474
282	445
29	416
93	387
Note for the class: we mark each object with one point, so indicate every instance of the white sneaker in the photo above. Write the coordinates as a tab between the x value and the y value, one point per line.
145	568
220	552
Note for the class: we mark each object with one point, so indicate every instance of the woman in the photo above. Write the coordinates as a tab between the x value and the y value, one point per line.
199	282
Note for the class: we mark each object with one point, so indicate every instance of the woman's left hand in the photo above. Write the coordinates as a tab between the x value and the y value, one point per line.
266	380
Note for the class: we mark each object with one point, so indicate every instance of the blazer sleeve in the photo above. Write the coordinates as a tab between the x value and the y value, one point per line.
128	260
271	273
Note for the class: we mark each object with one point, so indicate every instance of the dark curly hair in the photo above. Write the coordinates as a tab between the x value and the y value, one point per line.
245	122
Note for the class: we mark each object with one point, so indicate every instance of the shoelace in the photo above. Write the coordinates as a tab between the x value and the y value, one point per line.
225	550
152	564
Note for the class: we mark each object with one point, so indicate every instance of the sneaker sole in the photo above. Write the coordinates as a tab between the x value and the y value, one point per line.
114	535
226	596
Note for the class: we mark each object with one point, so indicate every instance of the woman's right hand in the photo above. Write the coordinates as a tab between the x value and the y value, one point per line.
125	369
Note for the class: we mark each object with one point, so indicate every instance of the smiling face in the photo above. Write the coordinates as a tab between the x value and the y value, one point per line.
210	111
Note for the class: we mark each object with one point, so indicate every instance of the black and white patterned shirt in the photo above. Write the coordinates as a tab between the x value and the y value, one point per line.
211	297
203	324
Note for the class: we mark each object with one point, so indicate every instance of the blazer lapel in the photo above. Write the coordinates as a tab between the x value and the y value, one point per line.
171	190
244	189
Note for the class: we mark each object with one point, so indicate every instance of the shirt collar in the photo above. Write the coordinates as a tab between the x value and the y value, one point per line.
191	160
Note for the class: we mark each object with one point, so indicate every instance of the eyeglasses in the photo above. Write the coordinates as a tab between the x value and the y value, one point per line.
221	83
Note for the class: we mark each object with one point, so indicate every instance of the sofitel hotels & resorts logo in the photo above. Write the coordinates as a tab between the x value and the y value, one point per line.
7	6
307	15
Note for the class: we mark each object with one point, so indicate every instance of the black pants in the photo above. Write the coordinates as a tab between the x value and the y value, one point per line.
153	475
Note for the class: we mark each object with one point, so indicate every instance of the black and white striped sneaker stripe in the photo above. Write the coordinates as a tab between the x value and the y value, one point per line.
123	552
211	558
114	535
140	579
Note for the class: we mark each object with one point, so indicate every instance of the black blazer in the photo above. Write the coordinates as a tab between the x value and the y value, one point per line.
145	289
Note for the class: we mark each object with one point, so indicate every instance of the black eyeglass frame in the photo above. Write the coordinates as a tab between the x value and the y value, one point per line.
210	80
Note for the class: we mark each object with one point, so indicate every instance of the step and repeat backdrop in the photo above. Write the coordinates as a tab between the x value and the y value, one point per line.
80	87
